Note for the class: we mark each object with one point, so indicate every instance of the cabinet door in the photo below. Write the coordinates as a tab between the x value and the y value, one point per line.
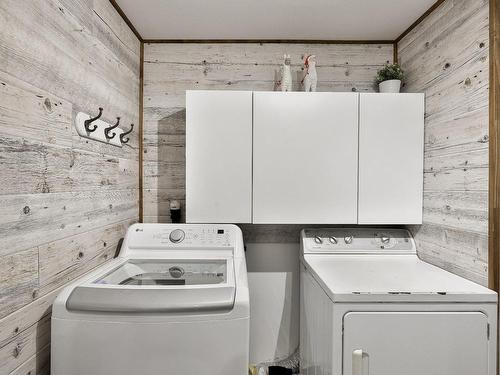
305	157
219	156
415	343
391	137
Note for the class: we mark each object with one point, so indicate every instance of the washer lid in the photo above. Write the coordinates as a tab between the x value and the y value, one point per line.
391	278
167	272
153	285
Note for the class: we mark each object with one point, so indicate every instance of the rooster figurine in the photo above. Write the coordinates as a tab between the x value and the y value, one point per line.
286	74
310	80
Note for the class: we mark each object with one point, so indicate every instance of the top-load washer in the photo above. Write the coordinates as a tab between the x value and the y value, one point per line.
175	302
369	305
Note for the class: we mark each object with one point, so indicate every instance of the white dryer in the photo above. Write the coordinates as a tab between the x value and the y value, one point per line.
369	305
174	302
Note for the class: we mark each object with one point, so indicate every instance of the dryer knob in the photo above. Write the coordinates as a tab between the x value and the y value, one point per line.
333	240
177	235
318	240
348	239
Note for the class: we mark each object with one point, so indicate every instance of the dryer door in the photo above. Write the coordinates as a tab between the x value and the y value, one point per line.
415	343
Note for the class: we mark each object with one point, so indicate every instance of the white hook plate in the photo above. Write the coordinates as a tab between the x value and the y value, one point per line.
98	134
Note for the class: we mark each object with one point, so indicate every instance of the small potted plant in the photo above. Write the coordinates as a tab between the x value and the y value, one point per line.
389	78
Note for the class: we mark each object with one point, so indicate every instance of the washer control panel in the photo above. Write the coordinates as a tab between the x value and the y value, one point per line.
164	236
357	240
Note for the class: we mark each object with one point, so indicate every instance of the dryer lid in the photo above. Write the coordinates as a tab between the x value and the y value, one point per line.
391	278
159	285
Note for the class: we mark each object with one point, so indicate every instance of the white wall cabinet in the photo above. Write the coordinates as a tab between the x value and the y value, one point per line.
391	153
219	156
304	158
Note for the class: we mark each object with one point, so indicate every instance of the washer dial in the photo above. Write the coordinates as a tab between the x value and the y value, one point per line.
177	235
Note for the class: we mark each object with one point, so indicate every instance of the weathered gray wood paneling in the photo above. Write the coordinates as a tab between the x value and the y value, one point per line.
446	56
63	260
171	69
45	44
27	343
31	219
18	280
23	319
38	363
65	201
40	168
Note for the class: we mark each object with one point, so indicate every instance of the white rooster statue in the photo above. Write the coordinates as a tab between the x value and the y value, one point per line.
286	74
310	80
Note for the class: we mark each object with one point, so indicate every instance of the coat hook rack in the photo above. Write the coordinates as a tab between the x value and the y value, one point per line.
91	120
108	130
122	136
98	130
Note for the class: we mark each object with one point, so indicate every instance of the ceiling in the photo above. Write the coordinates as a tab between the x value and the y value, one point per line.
273	19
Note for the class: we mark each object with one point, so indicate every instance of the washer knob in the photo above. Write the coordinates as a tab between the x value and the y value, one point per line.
176	271
385	239
333	240
177	235
318	240
348	239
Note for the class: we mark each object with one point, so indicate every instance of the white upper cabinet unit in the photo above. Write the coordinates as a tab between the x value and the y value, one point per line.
219	156
305	157
391	136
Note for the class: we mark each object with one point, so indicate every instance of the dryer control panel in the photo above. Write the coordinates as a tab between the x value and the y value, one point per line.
357	240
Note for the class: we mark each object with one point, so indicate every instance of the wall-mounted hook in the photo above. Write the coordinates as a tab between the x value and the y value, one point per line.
91	120
108	130
122	136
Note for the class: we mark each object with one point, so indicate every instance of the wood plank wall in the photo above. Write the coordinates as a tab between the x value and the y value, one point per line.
446	56
171	69
65	202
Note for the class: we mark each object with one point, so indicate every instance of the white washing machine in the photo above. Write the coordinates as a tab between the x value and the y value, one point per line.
369	305
174	302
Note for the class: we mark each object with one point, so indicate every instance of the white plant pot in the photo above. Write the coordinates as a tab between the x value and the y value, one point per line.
390	86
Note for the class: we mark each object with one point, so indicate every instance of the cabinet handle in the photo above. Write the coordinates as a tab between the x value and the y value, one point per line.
357	362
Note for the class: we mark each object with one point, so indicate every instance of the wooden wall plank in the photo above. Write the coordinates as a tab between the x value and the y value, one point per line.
172	68
159	203
446	56
29	220
25	345
63	260
48	119
455	250
465	210
37	168
37	364
456	171
116	35
23	319
271	54
18	280
65	58
65	201
459	132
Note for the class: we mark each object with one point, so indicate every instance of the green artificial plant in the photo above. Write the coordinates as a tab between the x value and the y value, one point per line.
388	72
